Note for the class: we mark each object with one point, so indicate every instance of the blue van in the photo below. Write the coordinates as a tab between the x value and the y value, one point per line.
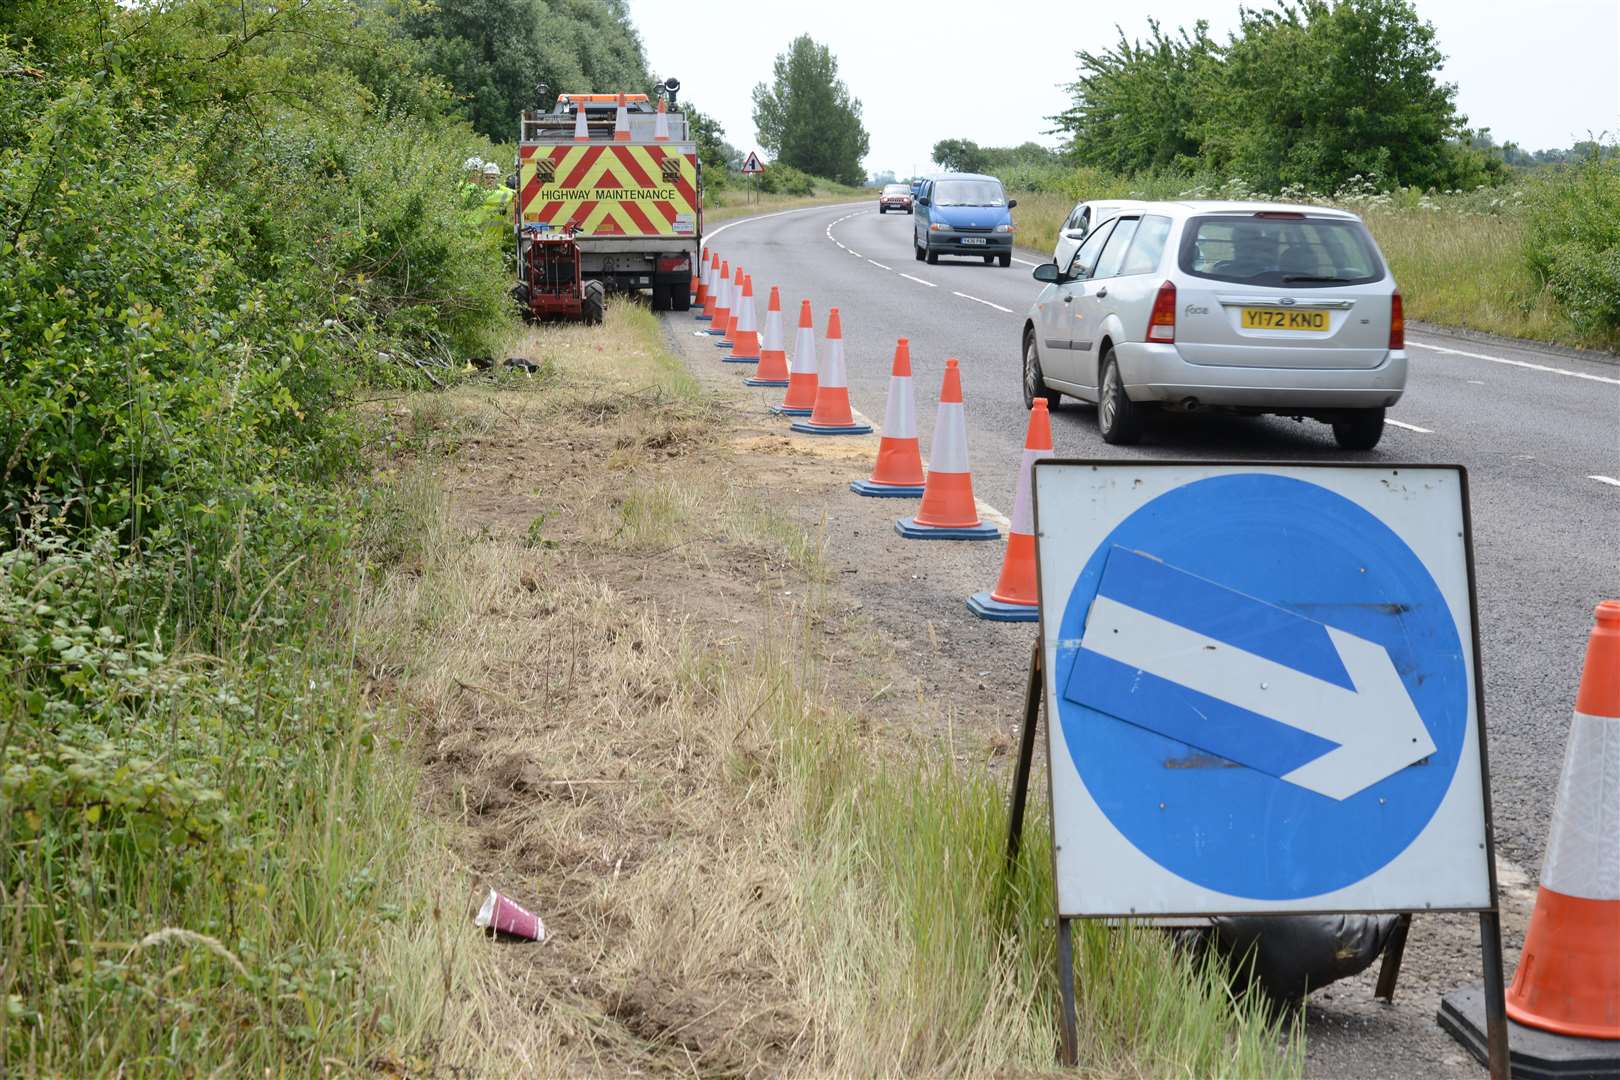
963	214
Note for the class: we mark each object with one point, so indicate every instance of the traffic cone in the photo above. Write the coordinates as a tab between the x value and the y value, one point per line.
722	305
728	336
621	122
700	292
1016	597
747	333
1564	1005
582	129
713	271
948	511
832	414
773	369
661	124
800	399
898	473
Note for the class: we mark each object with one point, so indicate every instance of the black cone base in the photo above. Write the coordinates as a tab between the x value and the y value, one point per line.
1534	1054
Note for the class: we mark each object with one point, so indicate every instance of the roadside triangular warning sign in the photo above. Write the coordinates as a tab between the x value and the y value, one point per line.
753	164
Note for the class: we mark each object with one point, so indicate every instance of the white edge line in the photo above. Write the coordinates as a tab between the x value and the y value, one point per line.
986	303
1408	427
879	265
919	280
1604	479
1025	262
775	213
1517	363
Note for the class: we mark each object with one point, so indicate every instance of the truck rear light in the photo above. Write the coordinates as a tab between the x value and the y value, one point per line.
1397	322
1162	323
673	264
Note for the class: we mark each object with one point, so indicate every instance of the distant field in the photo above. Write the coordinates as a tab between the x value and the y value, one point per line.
1459	259
725	204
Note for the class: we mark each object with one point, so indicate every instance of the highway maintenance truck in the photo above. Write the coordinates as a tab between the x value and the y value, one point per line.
619	176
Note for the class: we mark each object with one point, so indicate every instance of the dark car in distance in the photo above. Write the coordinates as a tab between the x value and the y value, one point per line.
895	197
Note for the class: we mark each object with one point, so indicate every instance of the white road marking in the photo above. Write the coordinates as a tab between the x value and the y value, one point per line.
1024	262
761	217
992	515
919	281
855	253
986	303
1408	427
1517	363
879	265
1605	480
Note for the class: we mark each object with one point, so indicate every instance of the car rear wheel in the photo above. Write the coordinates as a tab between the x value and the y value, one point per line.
1034	379
1359	429
1118	417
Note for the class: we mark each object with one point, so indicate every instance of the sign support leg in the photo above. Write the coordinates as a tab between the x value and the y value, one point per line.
1069	1051
1496	1029
1394	950
1026	757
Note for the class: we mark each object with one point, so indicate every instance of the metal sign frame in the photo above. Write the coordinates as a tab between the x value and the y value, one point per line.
1489	916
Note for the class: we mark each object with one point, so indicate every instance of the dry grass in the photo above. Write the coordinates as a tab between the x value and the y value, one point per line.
633	698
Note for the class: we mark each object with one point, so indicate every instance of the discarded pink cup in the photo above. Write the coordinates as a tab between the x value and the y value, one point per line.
505	917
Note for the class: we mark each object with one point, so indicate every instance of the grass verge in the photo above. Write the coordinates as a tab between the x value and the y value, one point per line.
733	203
631	681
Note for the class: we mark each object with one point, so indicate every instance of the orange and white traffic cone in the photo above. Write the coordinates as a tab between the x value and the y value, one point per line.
773	369
721	314
728	336
621	122
948	511
1564	1004
582	129
898	473
832	414
746	350
661	124
1016	598
800	399
713	294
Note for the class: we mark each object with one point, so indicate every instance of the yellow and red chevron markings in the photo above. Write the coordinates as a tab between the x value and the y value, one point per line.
619	190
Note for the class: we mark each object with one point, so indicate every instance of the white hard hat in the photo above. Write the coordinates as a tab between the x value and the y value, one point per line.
491	169
473	164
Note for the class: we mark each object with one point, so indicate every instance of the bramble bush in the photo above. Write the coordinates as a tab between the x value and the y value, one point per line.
1573	240
219	221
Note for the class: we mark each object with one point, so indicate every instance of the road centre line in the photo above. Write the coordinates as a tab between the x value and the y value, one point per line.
879	265
1408	427
986	303
1605	480
1517	363
919	280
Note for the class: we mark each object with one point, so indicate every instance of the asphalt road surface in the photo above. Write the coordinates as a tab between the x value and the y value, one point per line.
1539	432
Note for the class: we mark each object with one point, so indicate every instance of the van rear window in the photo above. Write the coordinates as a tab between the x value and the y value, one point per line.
1303	252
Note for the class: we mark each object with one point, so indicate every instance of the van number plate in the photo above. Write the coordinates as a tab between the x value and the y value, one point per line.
973	240
1261	318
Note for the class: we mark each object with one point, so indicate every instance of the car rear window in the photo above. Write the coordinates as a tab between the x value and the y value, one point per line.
1307	252
969	193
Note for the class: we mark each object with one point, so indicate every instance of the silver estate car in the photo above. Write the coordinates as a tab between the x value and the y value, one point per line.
1250	307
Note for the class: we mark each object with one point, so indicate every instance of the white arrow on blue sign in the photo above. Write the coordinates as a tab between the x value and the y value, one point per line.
1209	666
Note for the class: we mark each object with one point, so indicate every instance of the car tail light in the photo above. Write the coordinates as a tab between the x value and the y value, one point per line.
670	264
1397	322
1281	215
1162	323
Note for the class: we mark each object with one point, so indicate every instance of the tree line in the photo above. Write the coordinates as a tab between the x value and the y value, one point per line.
1309	93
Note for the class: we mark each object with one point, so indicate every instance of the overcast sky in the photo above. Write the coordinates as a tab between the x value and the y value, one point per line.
1541	75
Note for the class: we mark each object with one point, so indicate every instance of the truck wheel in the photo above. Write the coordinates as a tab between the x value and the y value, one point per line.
595	303
680	298
660	297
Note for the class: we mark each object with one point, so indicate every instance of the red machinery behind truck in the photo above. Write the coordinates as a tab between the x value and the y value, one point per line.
615	178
